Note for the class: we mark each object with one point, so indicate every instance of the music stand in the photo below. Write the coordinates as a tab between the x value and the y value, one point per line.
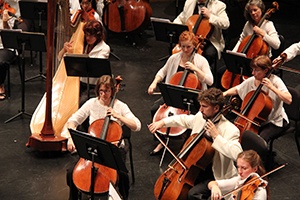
33	10
84	66
237	64
99	151
23	41
167	31
180	97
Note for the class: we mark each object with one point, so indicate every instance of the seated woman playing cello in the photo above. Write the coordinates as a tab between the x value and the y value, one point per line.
274	87
253	13
265	38
98	108
180	61
249	165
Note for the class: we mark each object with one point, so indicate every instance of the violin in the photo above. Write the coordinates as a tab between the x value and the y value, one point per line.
247	190
107	130
252	46
11	11
83	16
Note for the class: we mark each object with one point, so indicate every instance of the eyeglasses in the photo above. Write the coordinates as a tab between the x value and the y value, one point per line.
104	91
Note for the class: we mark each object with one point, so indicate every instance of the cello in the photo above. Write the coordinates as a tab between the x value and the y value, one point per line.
185	79
200	26
196	154
126	15
107	130
252	46
251	117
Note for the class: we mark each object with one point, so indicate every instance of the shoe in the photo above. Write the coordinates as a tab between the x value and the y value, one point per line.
155	153
2	96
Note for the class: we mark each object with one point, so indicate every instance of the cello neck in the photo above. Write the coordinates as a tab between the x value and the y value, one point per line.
107	118
199	19
186	71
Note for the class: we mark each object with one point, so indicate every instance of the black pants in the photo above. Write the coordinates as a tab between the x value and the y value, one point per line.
211	55
200	189
270	131
6	57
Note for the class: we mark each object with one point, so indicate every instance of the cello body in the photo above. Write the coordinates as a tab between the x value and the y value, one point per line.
258	113
127	15
196	154
82	170
252	48
167	111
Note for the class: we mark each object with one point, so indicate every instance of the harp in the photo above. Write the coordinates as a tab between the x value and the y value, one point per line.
61	99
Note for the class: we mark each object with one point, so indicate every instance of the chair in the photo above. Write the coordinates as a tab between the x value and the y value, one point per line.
293	113
126	136
251	140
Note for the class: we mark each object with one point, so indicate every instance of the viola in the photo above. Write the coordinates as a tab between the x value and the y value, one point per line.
252	46
251	117
127	15
107	130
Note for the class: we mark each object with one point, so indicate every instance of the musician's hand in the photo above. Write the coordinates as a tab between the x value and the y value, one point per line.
71	146
211	129
267	83
155	126
258	31
216	193
5	16
111	112
68	47
190	66
151	88
205	12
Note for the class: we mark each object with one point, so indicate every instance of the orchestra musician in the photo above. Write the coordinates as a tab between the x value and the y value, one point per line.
248	164
216	13
178	62
94	46
291	52
20	23
274	87
224	135
6	55
253	13
87	11
98	108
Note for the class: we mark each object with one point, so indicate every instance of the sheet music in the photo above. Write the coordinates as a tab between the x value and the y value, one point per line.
77	55
113	193
236	53
156	19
